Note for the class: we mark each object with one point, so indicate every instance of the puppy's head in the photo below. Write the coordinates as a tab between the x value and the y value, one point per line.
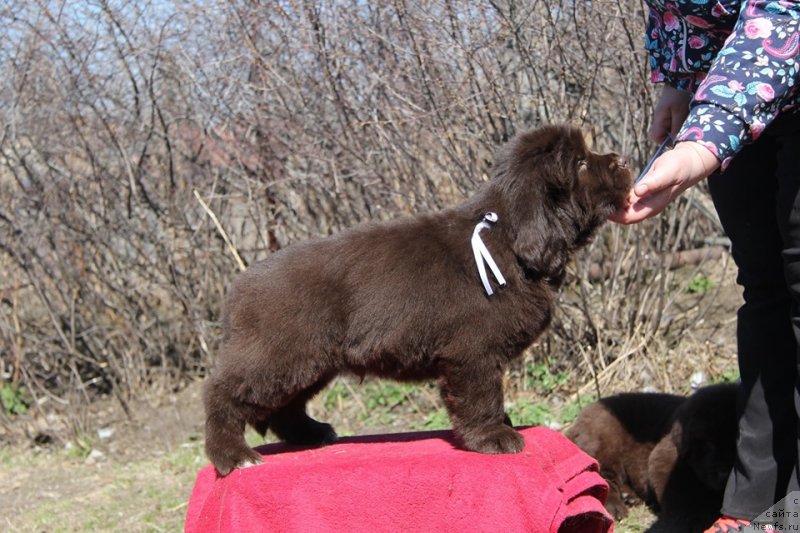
558	193
705	433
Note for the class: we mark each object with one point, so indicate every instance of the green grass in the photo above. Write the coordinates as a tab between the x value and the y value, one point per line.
638	520
382	404
700	284
543	380
143	495
729	375
14	399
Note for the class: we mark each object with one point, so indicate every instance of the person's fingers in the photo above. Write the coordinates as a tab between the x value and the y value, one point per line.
620	214
642	208
679	114
672	173
660	177
631	214
627	216
660	126
643	187
669	113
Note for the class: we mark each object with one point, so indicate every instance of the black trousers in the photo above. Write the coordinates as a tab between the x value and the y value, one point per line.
758	203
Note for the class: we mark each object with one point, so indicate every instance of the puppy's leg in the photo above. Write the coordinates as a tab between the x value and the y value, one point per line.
225	419
292	424
473	395
615	503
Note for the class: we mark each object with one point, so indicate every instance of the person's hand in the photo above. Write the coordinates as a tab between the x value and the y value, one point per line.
671	174
669	113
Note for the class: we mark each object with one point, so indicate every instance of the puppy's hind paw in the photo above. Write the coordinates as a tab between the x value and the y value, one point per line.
329	435
305	431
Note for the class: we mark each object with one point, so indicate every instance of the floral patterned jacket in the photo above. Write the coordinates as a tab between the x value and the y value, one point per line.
738	57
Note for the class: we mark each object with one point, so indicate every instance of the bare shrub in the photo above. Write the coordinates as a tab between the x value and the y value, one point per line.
149	150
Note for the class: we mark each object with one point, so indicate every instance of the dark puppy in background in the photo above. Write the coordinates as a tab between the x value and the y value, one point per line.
404	300
672	452
689	468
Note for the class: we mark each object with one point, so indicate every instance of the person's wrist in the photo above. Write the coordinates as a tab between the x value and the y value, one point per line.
704	162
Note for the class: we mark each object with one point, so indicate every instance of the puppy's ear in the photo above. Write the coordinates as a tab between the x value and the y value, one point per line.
541	245
680	436
660	465
536	176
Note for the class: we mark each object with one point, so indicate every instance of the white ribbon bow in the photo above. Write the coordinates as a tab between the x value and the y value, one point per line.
482	253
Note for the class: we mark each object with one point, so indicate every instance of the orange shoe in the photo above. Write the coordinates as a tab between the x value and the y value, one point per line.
728	524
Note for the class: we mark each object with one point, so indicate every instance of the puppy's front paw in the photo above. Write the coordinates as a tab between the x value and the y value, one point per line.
247	463
495	439
615	504
227	464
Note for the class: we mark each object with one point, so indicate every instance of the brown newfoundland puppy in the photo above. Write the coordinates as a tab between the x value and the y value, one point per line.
672	452
404	300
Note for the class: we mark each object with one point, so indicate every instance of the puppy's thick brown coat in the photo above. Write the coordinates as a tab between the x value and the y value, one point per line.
403	300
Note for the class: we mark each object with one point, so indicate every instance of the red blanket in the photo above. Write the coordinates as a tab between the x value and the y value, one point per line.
407	482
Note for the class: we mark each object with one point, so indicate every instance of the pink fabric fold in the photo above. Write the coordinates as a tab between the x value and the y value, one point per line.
406	482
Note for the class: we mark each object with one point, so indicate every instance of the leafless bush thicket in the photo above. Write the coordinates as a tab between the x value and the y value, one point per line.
151	149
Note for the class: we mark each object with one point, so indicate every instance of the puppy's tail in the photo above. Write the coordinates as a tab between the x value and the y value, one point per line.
225	444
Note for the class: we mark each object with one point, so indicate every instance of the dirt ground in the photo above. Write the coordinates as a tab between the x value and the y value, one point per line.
131	474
